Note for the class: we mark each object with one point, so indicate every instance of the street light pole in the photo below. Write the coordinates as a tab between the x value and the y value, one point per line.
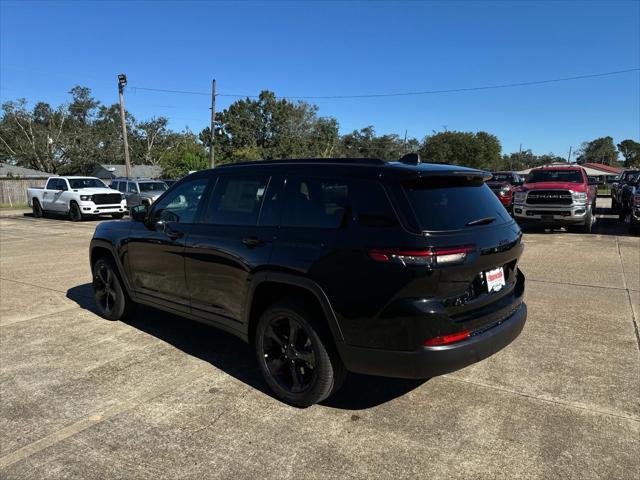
122	81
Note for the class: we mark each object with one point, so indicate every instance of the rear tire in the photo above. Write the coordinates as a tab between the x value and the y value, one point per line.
112	300
75	215
37	209
296	354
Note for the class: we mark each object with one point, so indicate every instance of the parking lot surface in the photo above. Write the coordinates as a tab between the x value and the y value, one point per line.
163	397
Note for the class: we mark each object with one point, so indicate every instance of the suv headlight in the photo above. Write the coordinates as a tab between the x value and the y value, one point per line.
520	197
86	198
579	197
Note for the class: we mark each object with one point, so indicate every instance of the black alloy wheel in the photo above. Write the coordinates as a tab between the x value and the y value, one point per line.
75	215
296	354
112	302
289	354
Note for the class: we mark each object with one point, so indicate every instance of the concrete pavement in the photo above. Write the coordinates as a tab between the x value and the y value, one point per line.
163	397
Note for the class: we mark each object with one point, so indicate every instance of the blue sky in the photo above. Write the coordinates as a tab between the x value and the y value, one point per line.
341	48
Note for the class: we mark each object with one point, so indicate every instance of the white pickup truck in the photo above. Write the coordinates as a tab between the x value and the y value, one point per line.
77	197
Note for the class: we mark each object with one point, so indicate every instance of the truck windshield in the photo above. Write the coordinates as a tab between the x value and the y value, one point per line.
152	186
76	183
502	177
570	176
453	203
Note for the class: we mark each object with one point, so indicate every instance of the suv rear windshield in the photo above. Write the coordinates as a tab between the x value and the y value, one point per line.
570	176
502	177
448	203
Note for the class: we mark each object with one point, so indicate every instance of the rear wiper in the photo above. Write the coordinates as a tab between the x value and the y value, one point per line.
481	221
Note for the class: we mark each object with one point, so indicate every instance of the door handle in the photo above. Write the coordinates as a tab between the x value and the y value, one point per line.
173	234
251	242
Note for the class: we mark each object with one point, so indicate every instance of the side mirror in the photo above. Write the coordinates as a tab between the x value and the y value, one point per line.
139	213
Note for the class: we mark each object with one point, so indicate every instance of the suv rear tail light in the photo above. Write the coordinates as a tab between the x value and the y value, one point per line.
431	256
447	339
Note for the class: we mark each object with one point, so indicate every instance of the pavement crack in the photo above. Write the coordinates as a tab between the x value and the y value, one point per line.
99	416
546	400
634	320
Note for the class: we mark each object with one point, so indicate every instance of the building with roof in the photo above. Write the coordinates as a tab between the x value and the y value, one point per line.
109	172
13	171
604	173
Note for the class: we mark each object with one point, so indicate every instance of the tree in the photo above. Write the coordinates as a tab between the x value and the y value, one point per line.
33	139
630	150
601	150
152	136
185	154
365	143
478	150
268	128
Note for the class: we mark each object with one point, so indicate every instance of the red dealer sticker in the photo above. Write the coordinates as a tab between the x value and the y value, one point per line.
495	279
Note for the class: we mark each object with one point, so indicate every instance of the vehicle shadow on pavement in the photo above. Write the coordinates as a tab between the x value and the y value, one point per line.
236	358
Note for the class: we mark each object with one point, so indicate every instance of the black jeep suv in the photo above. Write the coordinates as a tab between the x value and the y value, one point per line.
400	269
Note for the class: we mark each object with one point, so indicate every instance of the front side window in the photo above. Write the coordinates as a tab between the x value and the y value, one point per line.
132	187
181	205
236	200
77	183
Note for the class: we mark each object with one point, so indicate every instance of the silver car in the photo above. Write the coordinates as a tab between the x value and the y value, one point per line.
139	191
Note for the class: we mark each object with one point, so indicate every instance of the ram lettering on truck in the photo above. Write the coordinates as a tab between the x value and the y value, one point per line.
77	197
557	196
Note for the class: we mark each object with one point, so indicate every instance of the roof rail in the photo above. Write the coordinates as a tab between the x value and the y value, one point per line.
411	159
367	161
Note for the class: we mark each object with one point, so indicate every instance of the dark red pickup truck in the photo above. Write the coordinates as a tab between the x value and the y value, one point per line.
557	196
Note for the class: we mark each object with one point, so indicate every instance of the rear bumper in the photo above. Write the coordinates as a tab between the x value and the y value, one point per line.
552	214
431	361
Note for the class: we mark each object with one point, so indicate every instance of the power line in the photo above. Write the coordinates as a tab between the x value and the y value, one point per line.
401	94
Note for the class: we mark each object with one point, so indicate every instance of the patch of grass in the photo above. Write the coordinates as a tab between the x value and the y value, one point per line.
14	206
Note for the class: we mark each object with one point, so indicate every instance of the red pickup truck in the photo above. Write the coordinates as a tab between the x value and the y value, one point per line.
557	196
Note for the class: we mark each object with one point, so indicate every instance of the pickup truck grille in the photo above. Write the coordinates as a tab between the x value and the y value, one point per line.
106	198
549	197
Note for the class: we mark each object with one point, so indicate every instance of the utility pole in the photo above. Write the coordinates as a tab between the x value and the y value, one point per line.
404	144
212	161
519	157
569	157
122	81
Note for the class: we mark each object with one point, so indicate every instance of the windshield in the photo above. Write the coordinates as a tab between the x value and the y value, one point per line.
502	177
570	176
152	186
76	183
450	204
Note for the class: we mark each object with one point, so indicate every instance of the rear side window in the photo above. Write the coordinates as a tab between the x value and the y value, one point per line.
446	203
122	186
236	200
325	203
114	185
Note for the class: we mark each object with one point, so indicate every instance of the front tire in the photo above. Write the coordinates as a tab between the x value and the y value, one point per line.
296	354
75	215
112	301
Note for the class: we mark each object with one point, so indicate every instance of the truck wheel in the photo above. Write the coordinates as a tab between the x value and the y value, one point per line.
588	225
112	301
296	354
75	215
37	209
